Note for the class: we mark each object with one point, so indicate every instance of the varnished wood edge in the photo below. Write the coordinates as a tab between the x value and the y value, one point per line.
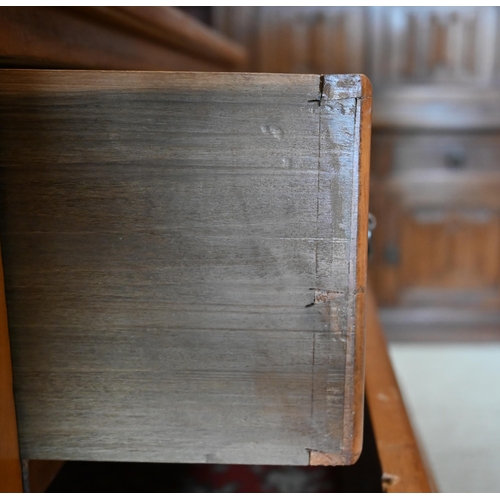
359	87
355	360
10	464
172	27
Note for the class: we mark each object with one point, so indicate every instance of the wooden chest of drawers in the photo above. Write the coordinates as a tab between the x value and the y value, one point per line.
435	184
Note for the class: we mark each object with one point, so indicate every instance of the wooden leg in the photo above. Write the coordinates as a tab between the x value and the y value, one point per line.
404	469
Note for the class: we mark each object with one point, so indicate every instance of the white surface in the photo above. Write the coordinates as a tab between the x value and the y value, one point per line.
452	392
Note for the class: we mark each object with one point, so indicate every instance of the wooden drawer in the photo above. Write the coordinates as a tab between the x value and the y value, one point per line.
440	170
436	197
447	154
184	271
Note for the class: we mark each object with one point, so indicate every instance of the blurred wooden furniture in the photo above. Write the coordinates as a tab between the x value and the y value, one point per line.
392	45
297	39
435	181
120	38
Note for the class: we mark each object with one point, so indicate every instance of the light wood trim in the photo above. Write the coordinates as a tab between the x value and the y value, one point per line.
174	28
361	263
403	466
10	465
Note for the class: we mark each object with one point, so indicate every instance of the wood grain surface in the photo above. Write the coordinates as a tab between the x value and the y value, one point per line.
163	234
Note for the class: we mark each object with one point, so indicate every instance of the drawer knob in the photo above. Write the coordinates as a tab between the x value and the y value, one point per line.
455	159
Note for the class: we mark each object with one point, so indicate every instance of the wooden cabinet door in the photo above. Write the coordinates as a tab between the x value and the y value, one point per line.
185	264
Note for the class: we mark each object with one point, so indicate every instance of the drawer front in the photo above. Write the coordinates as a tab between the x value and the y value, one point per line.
450	153
439	177
435	153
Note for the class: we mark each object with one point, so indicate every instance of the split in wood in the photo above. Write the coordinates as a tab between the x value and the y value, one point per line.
323	296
